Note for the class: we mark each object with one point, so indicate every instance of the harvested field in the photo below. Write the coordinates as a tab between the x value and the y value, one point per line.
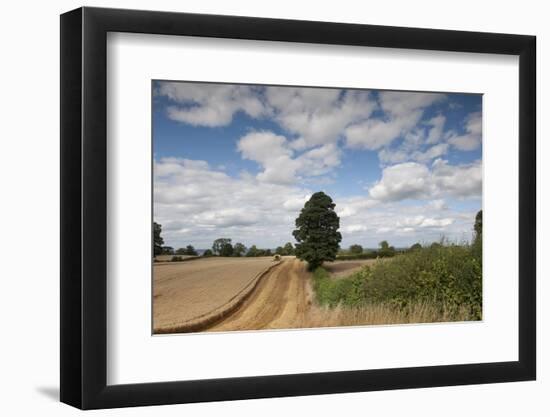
186	291
340	269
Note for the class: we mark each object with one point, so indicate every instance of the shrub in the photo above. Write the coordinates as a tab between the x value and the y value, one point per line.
449	277
176	259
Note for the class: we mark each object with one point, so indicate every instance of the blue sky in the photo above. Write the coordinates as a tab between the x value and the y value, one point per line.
239	161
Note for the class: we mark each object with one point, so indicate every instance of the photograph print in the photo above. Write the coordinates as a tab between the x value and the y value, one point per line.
284	207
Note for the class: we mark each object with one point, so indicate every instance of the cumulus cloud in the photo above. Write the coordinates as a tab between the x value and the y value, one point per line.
403	111
210	104
471	139
437	124
318	116
279	161
412	180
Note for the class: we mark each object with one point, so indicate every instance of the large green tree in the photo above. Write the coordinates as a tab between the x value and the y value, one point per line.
222	247
317	231
158	241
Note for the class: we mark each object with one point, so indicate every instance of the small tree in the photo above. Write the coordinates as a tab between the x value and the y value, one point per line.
190	250
317	231
356	249
385	249
416	246
239	249
279	251
252	252
158	241
181	251
207	253
222	247
167	250
477	244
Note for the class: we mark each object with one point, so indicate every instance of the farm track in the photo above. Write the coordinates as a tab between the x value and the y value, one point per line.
280	301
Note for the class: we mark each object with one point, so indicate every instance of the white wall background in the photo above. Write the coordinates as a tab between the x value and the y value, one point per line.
29	175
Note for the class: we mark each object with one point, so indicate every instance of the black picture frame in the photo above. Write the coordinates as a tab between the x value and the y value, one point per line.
84	207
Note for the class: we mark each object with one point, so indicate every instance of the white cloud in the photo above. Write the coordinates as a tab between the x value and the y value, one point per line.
412	180
210	104
354	228
431	153
437	124
318	116
457	180
409	180
403	111
271	151
470	140
278	161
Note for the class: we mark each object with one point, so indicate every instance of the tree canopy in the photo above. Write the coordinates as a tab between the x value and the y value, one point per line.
356	249
239	249
158	241
317	231
222	247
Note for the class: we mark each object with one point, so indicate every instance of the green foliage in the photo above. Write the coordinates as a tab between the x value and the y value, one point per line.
222	247
176	259
416	246
317	231
188	250
478	235
386	250
239	249
207	253
252	251
158	241
348	291
279	251
167	250
288	249
356	249
446	276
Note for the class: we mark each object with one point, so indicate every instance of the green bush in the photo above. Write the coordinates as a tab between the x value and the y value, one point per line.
176	259
348	291
448	276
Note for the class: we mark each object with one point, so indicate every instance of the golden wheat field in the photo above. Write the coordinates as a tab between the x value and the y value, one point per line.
186	291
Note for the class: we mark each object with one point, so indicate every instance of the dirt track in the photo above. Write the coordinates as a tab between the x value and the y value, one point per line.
281	301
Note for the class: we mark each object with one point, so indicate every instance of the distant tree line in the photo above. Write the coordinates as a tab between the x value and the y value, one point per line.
224	247
220	247
357	252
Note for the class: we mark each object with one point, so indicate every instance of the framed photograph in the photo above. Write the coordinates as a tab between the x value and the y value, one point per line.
258	208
